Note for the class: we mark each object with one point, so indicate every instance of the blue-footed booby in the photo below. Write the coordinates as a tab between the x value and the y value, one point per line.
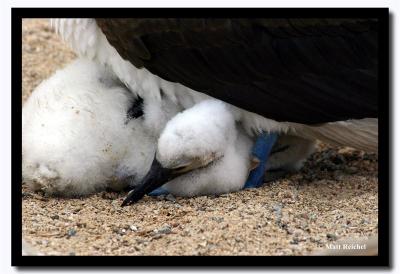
313	78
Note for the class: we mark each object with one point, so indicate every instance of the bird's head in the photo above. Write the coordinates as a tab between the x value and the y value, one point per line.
192	140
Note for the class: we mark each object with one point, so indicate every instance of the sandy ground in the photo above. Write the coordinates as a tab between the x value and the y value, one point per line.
332	199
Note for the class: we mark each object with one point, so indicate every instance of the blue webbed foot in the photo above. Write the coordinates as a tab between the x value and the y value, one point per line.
159	191
261	152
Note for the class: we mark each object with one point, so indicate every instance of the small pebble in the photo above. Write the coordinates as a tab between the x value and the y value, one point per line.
331	237
81	225
316	239
203	244
157	236
164	230
26	195
217	219
71	232
351	170
161	197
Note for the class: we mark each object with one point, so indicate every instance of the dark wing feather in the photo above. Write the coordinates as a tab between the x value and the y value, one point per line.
300	70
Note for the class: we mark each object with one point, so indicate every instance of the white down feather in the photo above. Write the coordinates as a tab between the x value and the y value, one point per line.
75	139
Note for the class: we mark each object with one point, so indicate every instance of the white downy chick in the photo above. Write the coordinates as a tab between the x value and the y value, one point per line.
76	136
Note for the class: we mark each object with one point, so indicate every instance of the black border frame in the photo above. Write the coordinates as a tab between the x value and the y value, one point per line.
384	215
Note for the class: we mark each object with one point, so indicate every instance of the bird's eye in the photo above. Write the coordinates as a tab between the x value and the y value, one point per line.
136	109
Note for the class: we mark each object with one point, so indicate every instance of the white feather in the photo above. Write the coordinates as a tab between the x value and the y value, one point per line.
205	131
228	174
74	136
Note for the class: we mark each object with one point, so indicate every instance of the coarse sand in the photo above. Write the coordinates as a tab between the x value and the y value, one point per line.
332	199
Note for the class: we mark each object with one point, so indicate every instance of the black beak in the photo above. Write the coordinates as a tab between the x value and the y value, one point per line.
156	177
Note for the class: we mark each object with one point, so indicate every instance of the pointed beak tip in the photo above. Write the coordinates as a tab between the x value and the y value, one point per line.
156	177
128	200
124	203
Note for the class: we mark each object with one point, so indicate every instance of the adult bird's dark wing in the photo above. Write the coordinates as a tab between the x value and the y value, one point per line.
299	70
